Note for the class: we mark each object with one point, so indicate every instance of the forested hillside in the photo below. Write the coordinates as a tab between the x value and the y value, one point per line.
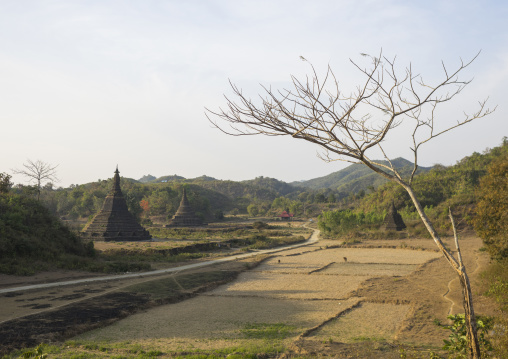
210	198
159	198
31	238
357	177
438	189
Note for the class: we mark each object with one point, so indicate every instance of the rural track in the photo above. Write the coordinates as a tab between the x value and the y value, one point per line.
445	296
313	238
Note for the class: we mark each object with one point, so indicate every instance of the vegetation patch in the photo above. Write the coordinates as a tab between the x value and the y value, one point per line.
126	350
268	330
32	239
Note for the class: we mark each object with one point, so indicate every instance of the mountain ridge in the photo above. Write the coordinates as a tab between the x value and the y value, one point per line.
357	176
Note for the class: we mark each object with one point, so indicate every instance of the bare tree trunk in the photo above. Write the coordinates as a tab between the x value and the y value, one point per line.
318	112
472	330
460	269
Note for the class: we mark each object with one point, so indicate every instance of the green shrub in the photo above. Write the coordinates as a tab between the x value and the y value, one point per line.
342	222
457	344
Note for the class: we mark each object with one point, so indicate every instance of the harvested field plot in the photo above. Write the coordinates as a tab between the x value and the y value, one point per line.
317	259
368	269
218	318
368	321
298	289
291	286
366	300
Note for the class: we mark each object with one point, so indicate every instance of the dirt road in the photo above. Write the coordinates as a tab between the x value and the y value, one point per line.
312	239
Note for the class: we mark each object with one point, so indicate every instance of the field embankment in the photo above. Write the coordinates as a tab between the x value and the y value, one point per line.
309	301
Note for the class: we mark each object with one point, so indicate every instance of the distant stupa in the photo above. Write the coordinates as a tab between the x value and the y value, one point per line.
393	220
114	222
185	216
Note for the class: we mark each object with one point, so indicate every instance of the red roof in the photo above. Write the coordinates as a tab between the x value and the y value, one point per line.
286	215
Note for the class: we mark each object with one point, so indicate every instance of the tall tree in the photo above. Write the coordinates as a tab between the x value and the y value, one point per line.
37	172
351	127
5	182
491	221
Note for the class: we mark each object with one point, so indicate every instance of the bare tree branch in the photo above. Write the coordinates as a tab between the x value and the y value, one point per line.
37	172
348	127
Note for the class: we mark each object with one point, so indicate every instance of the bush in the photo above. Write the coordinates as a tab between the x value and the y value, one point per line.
343	222
31	235
491	220
457	344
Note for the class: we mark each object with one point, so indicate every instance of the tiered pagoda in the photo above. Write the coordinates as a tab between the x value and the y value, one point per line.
393	220
185	216
114	222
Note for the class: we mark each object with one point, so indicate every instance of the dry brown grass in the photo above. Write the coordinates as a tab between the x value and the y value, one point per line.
378	322
302	288
380	298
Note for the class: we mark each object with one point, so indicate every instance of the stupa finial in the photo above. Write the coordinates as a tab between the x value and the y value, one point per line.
116	182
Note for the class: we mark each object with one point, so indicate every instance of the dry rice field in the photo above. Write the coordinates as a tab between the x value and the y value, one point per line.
318	295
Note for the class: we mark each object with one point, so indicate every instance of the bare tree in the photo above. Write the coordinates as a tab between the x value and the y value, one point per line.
351	127
37	172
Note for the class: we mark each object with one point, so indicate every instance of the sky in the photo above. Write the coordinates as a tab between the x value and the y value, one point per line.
89	85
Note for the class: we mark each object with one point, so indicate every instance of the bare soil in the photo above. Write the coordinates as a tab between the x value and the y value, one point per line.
55	314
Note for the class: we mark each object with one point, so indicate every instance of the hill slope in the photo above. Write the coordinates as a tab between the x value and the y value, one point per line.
357	177
31	237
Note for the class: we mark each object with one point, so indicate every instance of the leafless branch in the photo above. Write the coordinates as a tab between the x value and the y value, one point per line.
349	126
37	172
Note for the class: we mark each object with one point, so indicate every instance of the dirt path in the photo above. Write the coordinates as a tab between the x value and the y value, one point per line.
312	239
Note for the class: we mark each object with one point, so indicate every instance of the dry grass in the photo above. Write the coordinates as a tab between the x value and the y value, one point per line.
291	286
217	318
301	291
370	321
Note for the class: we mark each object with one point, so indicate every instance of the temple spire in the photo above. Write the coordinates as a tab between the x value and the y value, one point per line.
116	182
184	201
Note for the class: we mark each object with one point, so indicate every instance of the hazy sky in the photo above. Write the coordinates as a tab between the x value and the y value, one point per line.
92	84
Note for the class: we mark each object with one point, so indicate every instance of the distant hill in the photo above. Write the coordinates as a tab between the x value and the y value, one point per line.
174	178
167	179
282	188
357	177
147	179
203	178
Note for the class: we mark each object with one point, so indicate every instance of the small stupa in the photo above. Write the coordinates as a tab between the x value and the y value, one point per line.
185	216
114	222
393	220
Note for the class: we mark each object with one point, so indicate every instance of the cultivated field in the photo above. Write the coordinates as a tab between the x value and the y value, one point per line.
364	300
313	296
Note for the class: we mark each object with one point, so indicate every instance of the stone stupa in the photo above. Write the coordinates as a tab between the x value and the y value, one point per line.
393	220
114	222
185	216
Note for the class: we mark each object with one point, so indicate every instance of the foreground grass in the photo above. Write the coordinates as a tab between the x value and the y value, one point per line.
127	350
241	349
